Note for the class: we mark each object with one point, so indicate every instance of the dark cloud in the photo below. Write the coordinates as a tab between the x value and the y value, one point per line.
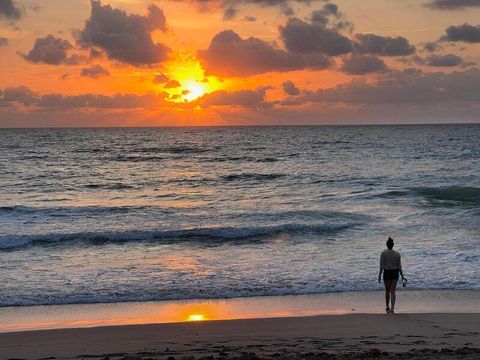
383	45
452	4
125	37
49	50
444	60
228	54
302	37
3	41
24	96
404	87
19	94
432	46
290	88
95	72
466	33
9	11
230	13
172	84
363	64
329	14
242	98
231	7
75	59
160	79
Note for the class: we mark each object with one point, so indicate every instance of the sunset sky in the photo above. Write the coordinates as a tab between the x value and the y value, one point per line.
82	63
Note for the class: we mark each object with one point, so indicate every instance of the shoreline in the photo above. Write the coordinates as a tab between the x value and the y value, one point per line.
48	317
350	336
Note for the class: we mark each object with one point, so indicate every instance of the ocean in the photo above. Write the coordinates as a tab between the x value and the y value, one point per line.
116	215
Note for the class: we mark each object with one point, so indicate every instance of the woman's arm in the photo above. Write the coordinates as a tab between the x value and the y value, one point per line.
400	267
382	266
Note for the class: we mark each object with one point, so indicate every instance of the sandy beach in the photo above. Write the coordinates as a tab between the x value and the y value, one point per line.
406	336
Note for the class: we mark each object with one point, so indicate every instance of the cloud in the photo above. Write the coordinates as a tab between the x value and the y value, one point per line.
230	7
49	50
3	41
305	38
20	94
329	14
9	11
363	64
242	98
95	71
230	13
452	4
444	60
125	37
24	96
432	46
172	84
230	55
383	45
160	79
466	33
404	87
290	88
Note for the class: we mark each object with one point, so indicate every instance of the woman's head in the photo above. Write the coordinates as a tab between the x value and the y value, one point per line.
390	243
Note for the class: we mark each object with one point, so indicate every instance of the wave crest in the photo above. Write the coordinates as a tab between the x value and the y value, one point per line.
213	234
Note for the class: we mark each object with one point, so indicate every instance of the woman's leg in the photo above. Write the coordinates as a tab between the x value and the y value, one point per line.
393	287
387	293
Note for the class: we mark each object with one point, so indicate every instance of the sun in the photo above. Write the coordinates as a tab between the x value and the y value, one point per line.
186	69
195	90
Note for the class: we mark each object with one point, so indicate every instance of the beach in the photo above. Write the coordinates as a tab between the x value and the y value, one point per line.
283	327
330	336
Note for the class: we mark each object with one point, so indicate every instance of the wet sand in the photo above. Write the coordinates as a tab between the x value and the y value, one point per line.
351	336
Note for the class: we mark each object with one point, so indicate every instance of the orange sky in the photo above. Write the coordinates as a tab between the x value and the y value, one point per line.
175	62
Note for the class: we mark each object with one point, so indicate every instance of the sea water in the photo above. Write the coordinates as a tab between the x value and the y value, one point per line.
114	215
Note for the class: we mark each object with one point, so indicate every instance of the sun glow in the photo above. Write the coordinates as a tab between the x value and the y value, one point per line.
195	90
196	317
187	70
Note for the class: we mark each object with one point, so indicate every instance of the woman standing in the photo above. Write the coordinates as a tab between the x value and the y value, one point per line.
391	266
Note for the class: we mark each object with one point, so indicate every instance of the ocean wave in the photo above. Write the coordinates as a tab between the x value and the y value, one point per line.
180	149
213	234
240	158
116	186
135	158
75	210
467	257
450	194
251	177
147	293
459	194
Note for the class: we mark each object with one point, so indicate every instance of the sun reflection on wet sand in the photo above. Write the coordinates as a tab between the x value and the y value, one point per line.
196	317
71	316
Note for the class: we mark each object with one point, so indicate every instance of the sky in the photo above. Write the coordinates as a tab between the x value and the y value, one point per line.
82	63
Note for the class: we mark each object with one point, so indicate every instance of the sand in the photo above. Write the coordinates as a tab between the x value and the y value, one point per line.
22	318
347	336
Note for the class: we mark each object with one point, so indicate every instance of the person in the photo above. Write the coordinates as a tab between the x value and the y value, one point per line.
391	266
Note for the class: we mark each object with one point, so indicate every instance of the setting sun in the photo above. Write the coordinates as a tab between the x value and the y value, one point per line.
196	317
195	90
186	71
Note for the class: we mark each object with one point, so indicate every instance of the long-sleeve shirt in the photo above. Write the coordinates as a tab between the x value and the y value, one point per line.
390	260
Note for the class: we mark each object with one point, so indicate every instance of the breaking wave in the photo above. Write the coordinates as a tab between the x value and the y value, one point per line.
213	234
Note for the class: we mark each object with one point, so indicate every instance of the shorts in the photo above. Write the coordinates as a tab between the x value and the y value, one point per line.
390	275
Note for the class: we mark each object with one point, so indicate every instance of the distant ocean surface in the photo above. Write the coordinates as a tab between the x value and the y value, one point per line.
112	215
